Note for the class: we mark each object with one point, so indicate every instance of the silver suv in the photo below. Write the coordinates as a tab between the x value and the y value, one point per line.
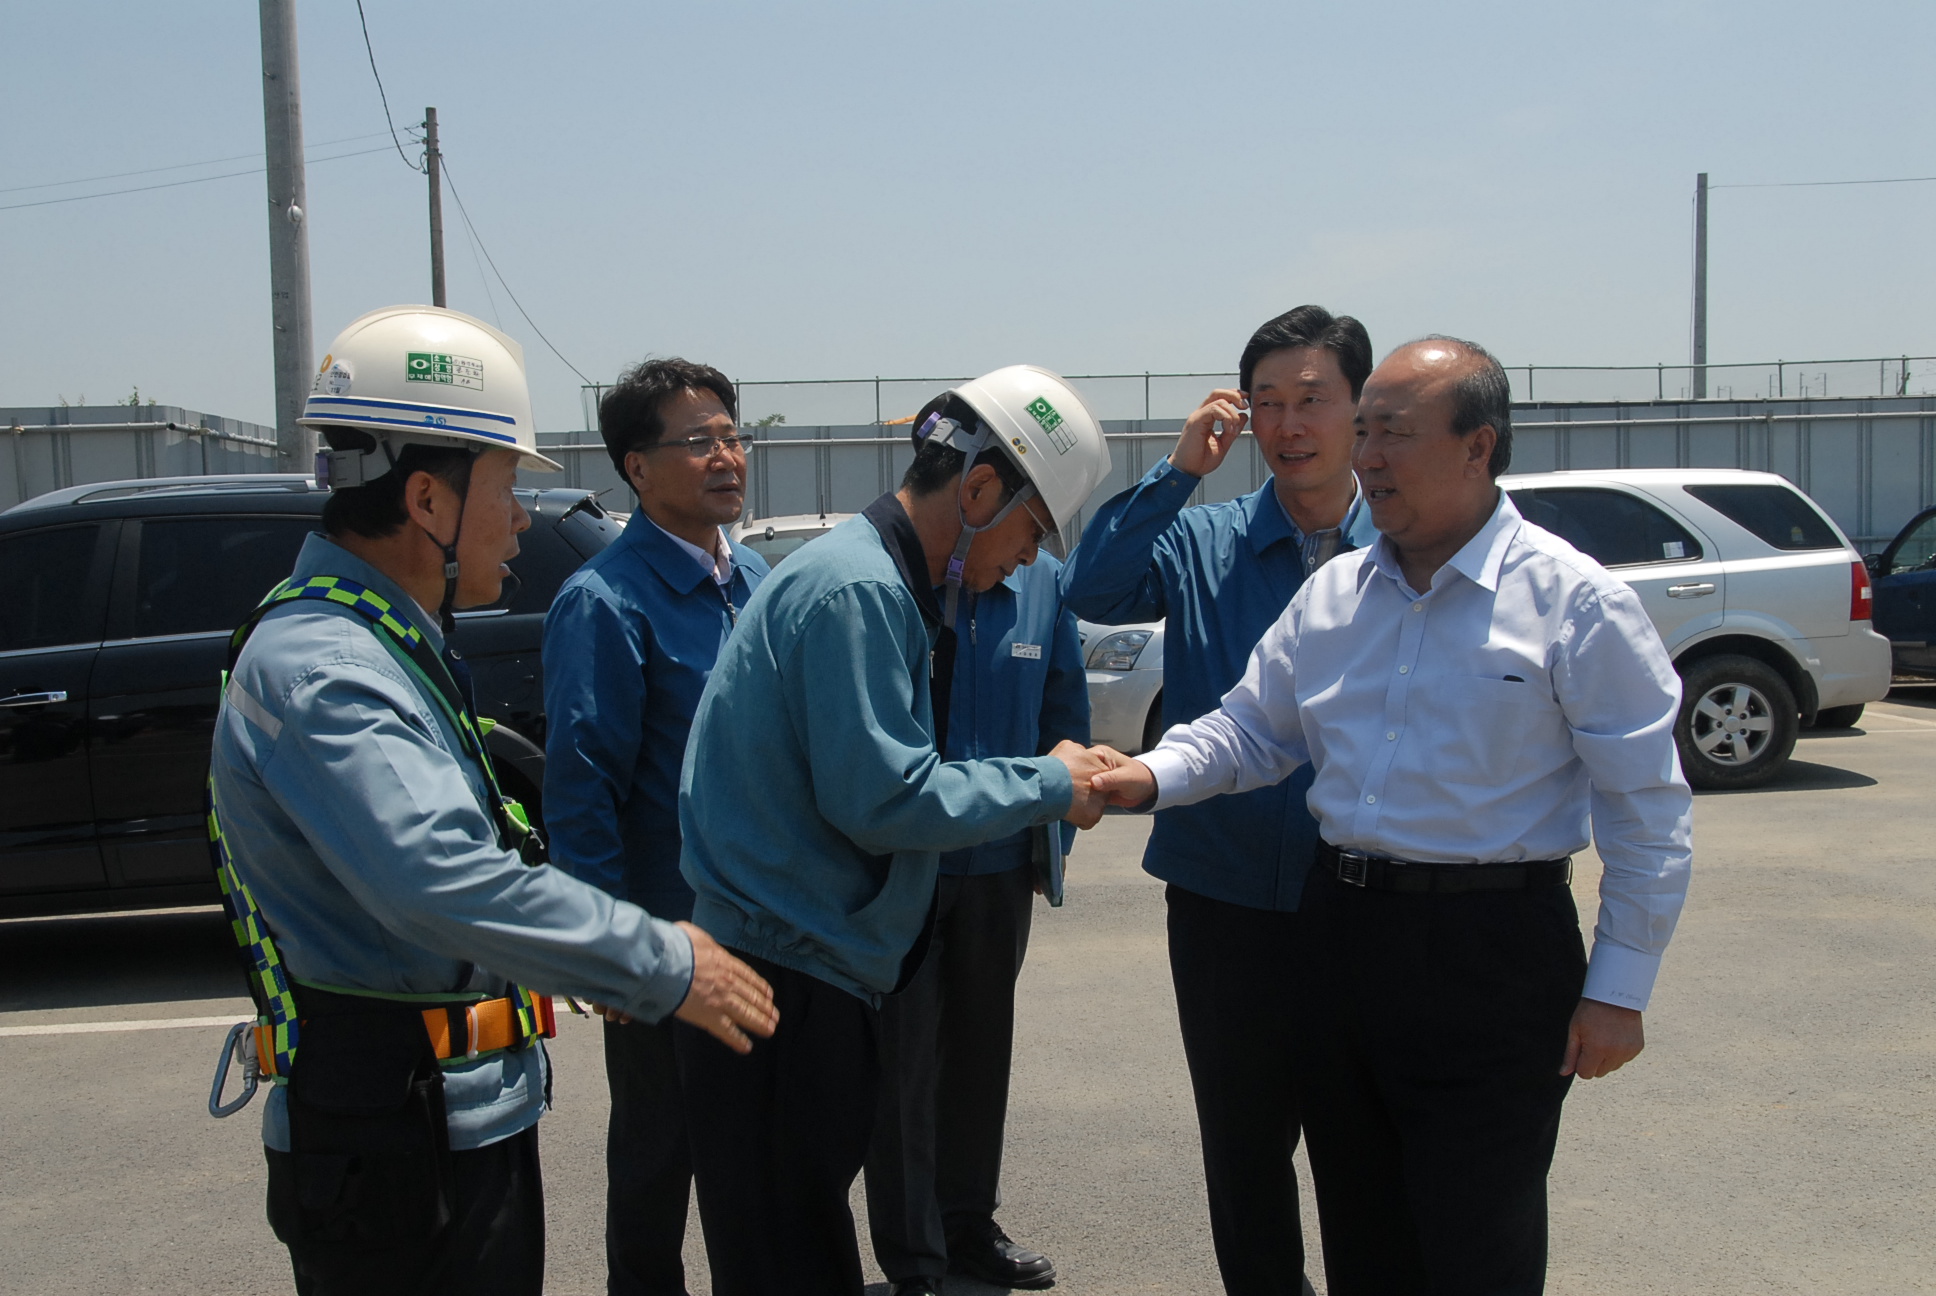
1763	603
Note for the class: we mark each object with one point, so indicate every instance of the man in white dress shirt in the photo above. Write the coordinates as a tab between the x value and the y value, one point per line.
1471	691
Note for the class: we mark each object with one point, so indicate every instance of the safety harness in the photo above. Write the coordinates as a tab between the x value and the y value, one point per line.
461	1028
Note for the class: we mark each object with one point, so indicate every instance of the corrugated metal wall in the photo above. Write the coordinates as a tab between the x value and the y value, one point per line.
44	449
1870	463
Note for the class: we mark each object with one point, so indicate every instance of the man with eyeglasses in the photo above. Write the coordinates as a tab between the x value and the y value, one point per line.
628	646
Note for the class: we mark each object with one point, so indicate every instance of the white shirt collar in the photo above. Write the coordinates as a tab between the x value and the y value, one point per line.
718	564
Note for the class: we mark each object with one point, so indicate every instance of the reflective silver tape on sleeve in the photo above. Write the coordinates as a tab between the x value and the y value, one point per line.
252	711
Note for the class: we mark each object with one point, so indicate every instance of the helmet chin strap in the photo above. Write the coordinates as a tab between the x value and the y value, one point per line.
445	620
972	444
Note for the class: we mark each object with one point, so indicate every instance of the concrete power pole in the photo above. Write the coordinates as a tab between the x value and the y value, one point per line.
433	163
1700	286
288	230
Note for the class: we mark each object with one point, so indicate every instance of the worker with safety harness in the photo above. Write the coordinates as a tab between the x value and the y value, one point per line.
402	933
816	800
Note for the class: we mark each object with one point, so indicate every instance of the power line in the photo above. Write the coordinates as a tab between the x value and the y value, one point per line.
379	89
489	296
462	211
174	184
1816	184
180	166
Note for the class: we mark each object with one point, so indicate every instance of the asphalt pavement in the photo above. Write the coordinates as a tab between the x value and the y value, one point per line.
1776	1136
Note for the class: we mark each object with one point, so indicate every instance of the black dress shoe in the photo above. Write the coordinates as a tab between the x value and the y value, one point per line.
915	1287
983	1251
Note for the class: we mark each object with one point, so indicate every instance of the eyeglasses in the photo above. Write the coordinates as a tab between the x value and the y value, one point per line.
1041	526
705	447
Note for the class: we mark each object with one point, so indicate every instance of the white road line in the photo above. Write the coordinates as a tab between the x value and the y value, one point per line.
94	1028
1906	719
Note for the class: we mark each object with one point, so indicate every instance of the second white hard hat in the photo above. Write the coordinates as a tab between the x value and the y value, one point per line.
1047	430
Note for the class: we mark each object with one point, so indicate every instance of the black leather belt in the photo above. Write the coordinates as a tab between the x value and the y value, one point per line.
1377	873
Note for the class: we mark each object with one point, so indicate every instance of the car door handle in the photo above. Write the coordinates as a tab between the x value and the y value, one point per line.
1695	590
34	699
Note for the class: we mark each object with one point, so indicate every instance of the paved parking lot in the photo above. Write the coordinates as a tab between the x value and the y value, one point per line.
1776	1137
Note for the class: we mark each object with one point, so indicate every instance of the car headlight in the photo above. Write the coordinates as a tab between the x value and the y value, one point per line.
1119	651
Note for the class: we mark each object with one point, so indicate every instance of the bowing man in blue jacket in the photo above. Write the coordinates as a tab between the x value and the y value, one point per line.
816	803
629	644
1221	574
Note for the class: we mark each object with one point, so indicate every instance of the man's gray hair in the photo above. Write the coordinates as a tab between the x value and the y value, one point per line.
1482	396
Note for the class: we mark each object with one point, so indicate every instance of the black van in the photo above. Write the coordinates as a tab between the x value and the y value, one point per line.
116	602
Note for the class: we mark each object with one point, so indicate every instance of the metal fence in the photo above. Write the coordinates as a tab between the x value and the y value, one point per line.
48	449
1869	462
845	402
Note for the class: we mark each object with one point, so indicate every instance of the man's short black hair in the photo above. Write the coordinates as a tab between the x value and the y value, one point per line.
375	509
628	414
1311	326
935	466
1481	396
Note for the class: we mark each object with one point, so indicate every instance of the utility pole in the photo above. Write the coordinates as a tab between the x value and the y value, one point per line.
288	230
1700	286
433	163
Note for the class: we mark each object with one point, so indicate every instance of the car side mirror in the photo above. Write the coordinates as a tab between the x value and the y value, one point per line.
1873	562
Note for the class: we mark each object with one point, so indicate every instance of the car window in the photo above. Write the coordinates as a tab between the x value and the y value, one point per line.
201	574
1611	527
1778	515
1917	551
545	561
782	543
43	581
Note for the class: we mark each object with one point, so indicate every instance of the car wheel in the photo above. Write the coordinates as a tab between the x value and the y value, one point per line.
1842	717
1153	724
1737	723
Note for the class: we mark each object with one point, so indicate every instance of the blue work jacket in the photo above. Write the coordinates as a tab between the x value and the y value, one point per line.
1220	575
628	646
813	803
1018	690
362	829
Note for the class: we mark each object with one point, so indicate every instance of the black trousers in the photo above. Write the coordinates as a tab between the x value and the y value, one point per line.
648	1168
1432	1029
1234	969
778	1136
946	1042
492	1246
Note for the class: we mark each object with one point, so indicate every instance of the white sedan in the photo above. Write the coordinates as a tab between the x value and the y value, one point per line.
1124	666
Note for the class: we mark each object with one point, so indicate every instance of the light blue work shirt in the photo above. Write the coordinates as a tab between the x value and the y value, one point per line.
1220	574
1018	689
813	804
362	830
628	645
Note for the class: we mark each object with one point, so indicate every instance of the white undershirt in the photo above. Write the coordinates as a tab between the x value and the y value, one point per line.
718	564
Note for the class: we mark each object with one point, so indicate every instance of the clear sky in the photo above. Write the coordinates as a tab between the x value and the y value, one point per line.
818	190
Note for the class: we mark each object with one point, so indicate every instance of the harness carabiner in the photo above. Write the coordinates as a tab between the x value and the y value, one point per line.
237	1046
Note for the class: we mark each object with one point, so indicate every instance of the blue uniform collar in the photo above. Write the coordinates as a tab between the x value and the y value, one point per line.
322	556
1268	522
903	545
663	555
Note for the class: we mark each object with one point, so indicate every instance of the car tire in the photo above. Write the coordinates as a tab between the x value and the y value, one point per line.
1737	723
1842	717
1153	723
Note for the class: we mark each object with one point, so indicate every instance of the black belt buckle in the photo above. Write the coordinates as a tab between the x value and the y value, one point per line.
1352	867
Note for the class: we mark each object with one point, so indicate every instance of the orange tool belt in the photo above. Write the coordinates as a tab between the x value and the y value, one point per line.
459	1031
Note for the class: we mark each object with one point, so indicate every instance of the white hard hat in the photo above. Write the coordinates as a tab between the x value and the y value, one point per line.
421	375
1046	429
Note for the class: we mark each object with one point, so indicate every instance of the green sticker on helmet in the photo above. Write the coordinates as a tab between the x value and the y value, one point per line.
451	370
1045	414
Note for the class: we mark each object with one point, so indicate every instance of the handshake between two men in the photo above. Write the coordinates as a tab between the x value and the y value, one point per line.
1102	777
